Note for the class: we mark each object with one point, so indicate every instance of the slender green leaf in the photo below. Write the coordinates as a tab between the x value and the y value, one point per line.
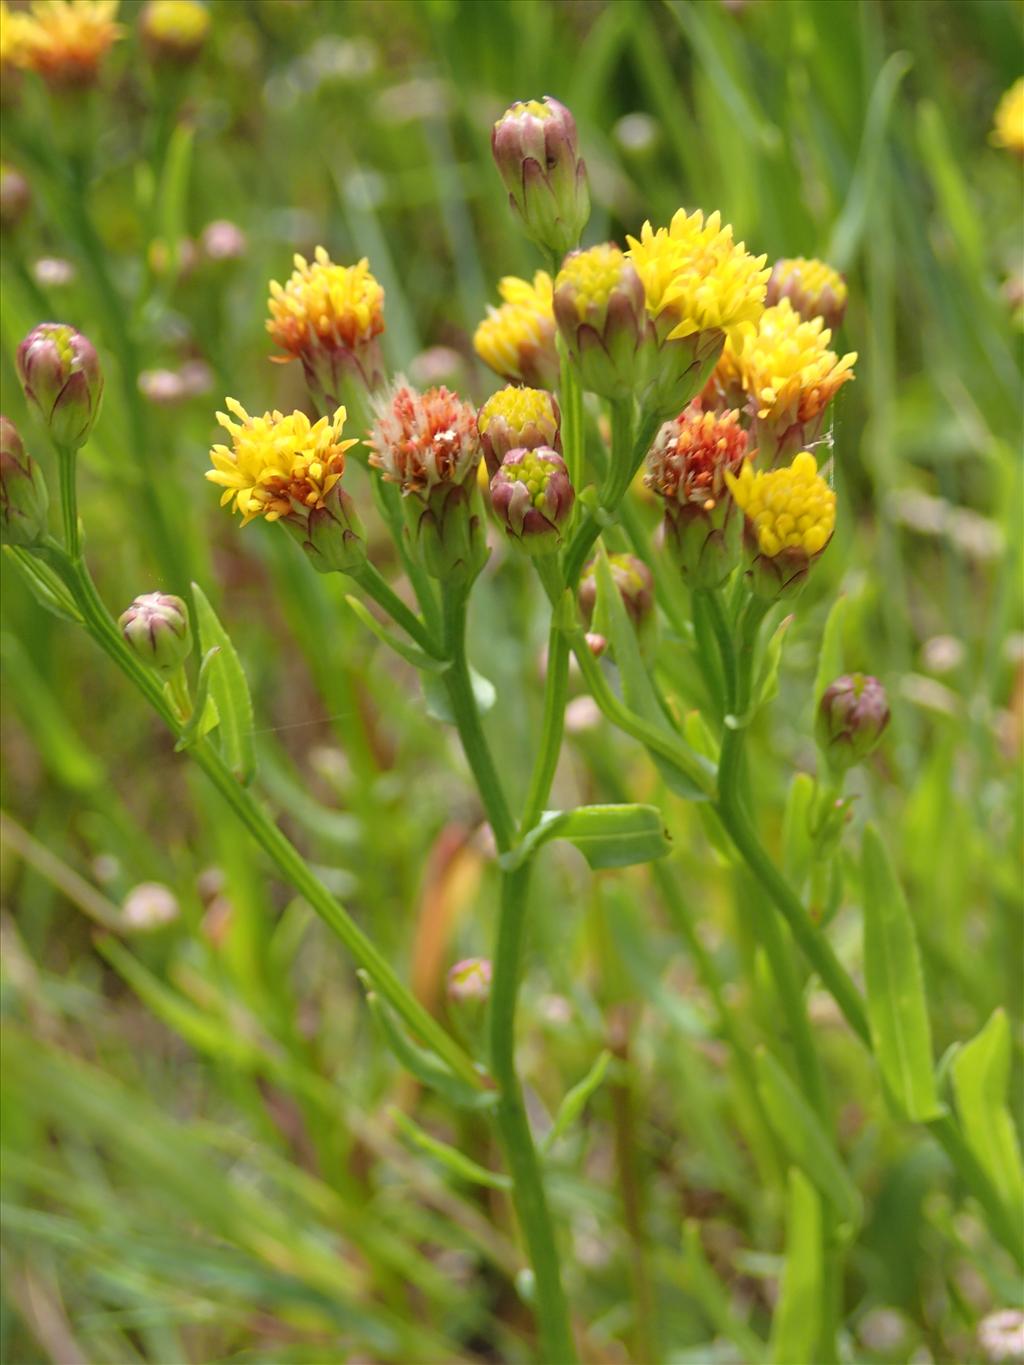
801	1134
43	584
229	691
707	1289
797	849
455	1161
896	1000
830	654
607	836
981	1076
408	652
767	686
575	1100
797	1320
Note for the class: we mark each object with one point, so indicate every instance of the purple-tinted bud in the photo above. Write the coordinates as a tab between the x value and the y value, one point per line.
852	715
813	288
23	497
532	497
156	628
536	150
602	317
634	581
60	373
517	418
223	240
470	981
15	197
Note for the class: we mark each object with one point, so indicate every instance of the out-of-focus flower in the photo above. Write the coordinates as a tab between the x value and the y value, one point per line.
23	496
65	41
178	259
517	418
60	373
1008	131
686	466
813	288
15	197
532	497
700	287
329	317
174	31
536	150
156	628
427	443
601	313
631	577
1001	1336
53	272
790	514
150	905
517	340
469	980
223	240
278	466
438	365
790	377
13	45
168	387
852	715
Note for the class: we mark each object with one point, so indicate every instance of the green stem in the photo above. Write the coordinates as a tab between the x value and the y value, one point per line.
103	630
467	719
557	1347
66	457
571	396
377	587
723	635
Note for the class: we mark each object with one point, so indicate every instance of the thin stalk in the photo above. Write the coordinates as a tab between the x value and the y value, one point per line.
556	691
723	635
377	587
557	1346
68	500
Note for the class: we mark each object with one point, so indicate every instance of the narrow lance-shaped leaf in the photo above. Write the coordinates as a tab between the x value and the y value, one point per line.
801	1133
450	1157
981	1075
228	691
897	1010
797	1320
607	836
575	1100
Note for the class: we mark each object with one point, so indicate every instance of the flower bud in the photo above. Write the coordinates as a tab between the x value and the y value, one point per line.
634	581
223	240
536	150
174	31
852	715
602	316
532	498
789	516
15	197
686	466
148	906
813	288
60	373
23	497
517	340
156	627
427	443
470	980
517	418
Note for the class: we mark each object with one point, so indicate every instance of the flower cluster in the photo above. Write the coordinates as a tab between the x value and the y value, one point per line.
278	466
517	340
329	317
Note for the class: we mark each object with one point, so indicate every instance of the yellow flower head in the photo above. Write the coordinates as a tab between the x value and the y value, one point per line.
593	275
65	40
13	45
517	418
517	340
696	278
1008	131
175	29
786	366
813	288
277	464
790	509
324	304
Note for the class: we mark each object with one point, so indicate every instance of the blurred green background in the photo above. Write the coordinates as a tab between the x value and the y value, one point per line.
199	1163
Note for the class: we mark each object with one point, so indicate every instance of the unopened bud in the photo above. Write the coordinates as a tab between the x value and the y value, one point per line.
633	580
223	240
852	715
156	628
517	418
60	373
536	150
174	31
813	288
532	497
470	980
601	314
148	906
23	497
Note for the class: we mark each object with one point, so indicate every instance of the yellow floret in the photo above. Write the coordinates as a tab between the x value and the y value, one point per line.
184	22
1009	121
277	462
815	277
535	107
694	271
326	304
791	508
519	407
593	274
65	40
523	326
786	365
